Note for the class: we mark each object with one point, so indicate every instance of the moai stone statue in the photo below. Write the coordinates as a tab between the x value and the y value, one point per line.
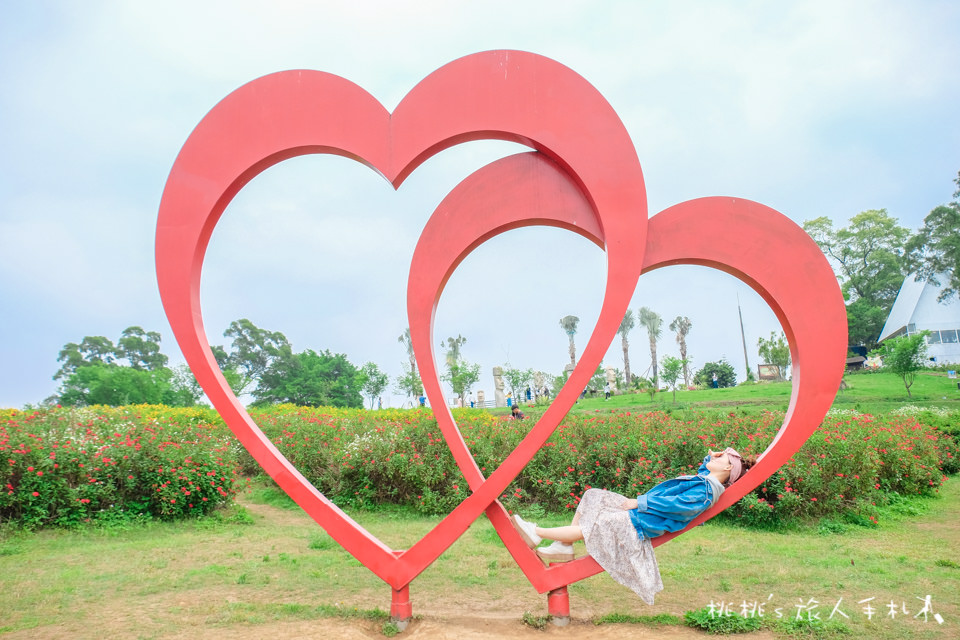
481	399
500	400
611	376
538	384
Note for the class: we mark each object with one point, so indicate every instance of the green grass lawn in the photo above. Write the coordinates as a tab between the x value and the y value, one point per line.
869	393
242	575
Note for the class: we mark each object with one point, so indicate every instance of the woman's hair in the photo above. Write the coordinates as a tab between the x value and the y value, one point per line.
748	461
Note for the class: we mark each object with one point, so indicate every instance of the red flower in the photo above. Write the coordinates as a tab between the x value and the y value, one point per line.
35	494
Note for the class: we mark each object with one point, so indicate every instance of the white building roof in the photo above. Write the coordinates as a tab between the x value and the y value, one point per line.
904	306
917	309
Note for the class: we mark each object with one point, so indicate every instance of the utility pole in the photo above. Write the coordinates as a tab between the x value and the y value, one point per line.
743	337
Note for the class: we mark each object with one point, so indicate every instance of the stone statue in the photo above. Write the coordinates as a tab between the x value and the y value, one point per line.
538	380
500	400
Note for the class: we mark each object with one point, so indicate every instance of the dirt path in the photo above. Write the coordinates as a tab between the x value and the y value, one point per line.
460	628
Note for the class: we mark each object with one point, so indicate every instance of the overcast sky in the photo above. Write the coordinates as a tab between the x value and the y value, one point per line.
814	108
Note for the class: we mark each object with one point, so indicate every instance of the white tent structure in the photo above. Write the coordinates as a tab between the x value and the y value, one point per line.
916	309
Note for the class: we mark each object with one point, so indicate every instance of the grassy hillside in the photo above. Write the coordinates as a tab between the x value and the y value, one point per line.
868	392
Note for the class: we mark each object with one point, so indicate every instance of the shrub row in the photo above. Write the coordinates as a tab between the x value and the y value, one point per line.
68	465
851	463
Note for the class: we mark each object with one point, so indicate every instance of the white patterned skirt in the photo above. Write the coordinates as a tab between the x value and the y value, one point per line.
613	542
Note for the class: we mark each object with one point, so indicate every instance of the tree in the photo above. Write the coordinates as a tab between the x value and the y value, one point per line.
670	369
253	351
91	350
904	356
646	385
518	379
626	326
598	380
869	257
618	376
408	382
653	323
935	251
113	385
559	381
775	351
865	321
311	379
374	381
569	325
233	377
184	389
453	346
93	372
141	349
462	376
726	376
407	342
681	325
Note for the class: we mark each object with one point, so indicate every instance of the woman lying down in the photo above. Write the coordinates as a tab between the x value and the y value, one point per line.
617	530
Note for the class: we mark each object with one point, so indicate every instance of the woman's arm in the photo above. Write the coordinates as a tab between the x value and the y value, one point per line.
629	504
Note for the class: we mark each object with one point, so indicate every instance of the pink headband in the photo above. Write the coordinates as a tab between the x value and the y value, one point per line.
736	462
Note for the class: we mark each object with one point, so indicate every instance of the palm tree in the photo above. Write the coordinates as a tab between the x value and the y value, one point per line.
569	324
453	349
682	324
408	343
626	325
653	323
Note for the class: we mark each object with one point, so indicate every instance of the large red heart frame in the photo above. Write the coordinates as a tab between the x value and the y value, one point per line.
584	177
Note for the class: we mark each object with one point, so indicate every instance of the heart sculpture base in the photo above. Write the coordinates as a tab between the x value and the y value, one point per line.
583	176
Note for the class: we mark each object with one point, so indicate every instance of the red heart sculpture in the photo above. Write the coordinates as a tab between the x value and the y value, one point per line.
506	95
750	241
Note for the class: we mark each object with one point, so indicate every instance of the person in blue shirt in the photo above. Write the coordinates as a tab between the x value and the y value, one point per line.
617	530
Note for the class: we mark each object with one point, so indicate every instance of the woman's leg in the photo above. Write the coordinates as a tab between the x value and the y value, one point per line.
568	534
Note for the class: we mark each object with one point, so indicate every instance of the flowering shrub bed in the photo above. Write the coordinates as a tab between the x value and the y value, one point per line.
66	466
851	463
63	466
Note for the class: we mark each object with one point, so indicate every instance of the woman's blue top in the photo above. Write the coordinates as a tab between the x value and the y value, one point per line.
671	505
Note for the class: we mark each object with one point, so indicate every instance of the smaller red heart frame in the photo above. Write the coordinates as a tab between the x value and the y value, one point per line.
585	177
754	243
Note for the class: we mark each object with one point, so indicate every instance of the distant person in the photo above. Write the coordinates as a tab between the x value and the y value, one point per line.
606	391
529	394
423	401
715	383
516	414
470	400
